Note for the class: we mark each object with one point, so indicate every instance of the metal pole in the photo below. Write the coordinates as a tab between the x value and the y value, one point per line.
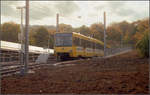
21	17
48	45
22	43
21	52
57	23
121	39
26	37
104	35
57	26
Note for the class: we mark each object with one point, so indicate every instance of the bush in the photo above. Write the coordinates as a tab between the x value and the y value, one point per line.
143	45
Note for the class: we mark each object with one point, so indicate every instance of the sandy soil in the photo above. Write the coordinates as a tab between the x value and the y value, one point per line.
126	73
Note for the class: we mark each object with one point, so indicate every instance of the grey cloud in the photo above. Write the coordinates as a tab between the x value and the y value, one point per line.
7	8
119	9
139	15
101	6
116	4
116	7
122	10
39	11
111	5
67	8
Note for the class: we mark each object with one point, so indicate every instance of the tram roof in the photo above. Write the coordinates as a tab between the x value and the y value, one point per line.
86	38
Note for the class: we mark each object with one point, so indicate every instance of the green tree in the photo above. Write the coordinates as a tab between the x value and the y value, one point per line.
41	37
83	30
51	41
141	27
31	37
97	31
51	37
65	28
114	35
126	38
9	31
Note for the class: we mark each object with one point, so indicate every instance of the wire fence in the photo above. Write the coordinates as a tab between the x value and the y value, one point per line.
10	52
8	56
111	51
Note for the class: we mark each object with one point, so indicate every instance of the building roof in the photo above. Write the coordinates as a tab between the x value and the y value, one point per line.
16	47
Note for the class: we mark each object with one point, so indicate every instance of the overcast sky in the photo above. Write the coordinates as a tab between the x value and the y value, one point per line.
76	13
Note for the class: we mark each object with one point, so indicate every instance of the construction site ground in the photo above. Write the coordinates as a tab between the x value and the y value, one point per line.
122	74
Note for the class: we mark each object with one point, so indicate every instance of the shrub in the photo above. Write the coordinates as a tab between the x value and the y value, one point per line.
143	45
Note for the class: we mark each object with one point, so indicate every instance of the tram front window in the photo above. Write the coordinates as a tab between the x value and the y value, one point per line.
63	39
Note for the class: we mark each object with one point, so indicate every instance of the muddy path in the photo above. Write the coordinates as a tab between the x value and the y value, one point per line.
123	74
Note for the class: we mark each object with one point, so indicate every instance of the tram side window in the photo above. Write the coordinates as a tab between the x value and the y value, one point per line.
83	43
97	46
87	44
100	46
75	41
78	43
90	44
93	45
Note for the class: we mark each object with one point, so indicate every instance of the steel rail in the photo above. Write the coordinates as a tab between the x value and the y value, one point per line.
15	69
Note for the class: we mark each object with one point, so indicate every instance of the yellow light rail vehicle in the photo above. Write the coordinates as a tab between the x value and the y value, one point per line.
75	45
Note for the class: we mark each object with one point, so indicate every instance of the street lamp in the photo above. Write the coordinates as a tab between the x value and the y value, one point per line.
21	37
57	22
104	34
21	8
21	24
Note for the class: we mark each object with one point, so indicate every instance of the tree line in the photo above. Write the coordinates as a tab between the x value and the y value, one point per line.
118	34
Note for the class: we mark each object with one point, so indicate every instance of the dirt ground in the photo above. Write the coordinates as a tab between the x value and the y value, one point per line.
123	74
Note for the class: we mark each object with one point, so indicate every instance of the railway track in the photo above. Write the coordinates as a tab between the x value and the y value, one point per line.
7	69
15	69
